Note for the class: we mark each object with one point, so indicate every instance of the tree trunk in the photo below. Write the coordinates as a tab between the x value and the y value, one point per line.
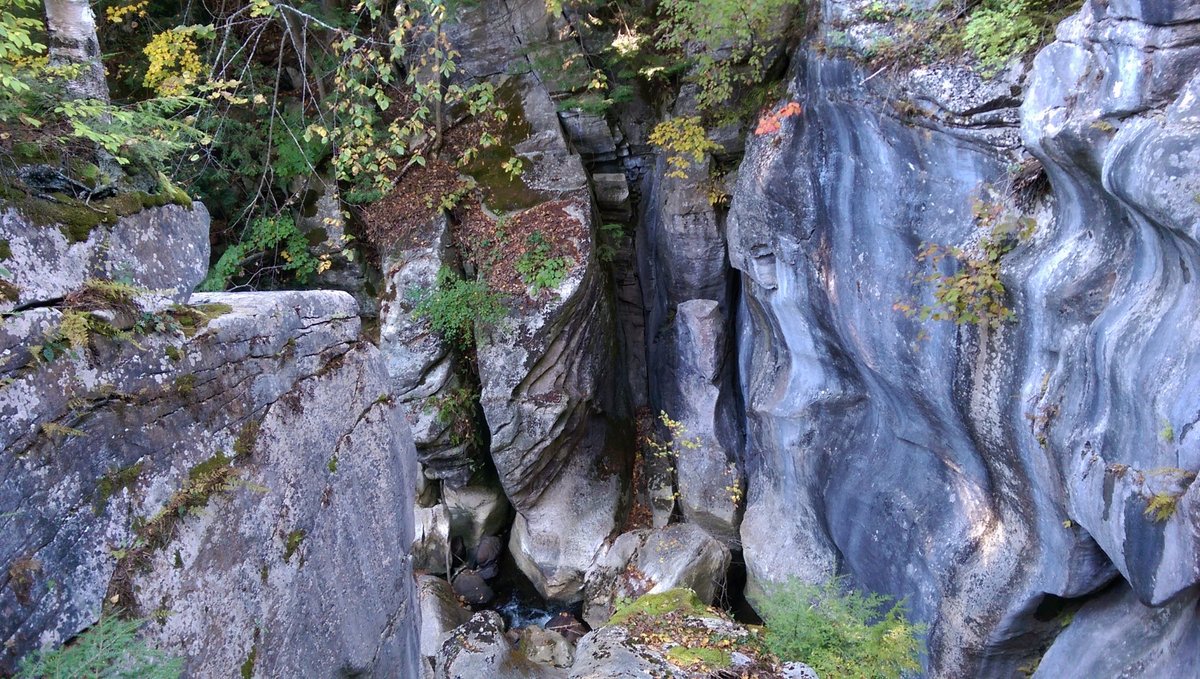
73	40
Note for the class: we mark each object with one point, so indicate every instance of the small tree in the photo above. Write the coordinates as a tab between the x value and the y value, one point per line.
73	42
840	633
109	649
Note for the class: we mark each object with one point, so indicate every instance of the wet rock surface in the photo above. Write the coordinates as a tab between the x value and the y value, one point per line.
986	475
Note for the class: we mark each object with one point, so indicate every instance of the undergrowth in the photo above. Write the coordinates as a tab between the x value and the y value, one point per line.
840	633
110	648
454	305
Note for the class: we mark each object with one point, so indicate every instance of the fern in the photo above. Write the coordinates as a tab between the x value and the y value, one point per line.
276	236
455	305
998	30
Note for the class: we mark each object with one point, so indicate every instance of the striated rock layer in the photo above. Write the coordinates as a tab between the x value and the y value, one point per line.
990	476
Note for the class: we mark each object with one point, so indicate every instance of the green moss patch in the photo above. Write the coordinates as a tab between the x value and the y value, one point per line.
194	318
708	657
243	445
692	636
502	191
679	600
5	249
248	666
292	543
185	385
76	218
209	467
114	482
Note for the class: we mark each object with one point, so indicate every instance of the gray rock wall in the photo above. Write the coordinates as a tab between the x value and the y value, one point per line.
991	477
47	262
240	475
552	392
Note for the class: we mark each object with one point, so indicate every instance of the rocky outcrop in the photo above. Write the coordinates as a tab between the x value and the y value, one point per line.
550	391
479	648
47	259
426	371
990	475
546	647
440	613
1117	636
701	398
653	561
673	635
608	652
1130	154
235	468
552	404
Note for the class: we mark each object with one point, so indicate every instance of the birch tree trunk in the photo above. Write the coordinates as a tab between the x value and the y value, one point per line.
73	40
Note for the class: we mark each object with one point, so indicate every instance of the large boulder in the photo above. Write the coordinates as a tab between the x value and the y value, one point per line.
476	510
548	372
51	249
480	648
608	653
1128	148
252	449
546	646
440	613
158	458
652	561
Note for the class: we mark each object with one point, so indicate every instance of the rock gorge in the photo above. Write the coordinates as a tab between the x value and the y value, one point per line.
259	466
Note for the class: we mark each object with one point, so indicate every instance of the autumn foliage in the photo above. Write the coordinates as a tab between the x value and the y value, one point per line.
769	123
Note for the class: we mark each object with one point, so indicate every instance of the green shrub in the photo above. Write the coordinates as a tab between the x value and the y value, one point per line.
840	633
109	649
998	30
734	38
272	244
538	269
455	305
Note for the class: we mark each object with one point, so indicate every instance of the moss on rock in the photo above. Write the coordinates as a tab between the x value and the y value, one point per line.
113	482
680	600
504	192
193	319
708	657
76	218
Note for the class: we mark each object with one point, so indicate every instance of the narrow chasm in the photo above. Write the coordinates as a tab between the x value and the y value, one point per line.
578	339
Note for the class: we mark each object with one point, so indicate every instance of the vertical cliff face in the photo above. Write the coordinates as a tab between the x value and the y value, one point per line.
235	469
553	418
989	474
